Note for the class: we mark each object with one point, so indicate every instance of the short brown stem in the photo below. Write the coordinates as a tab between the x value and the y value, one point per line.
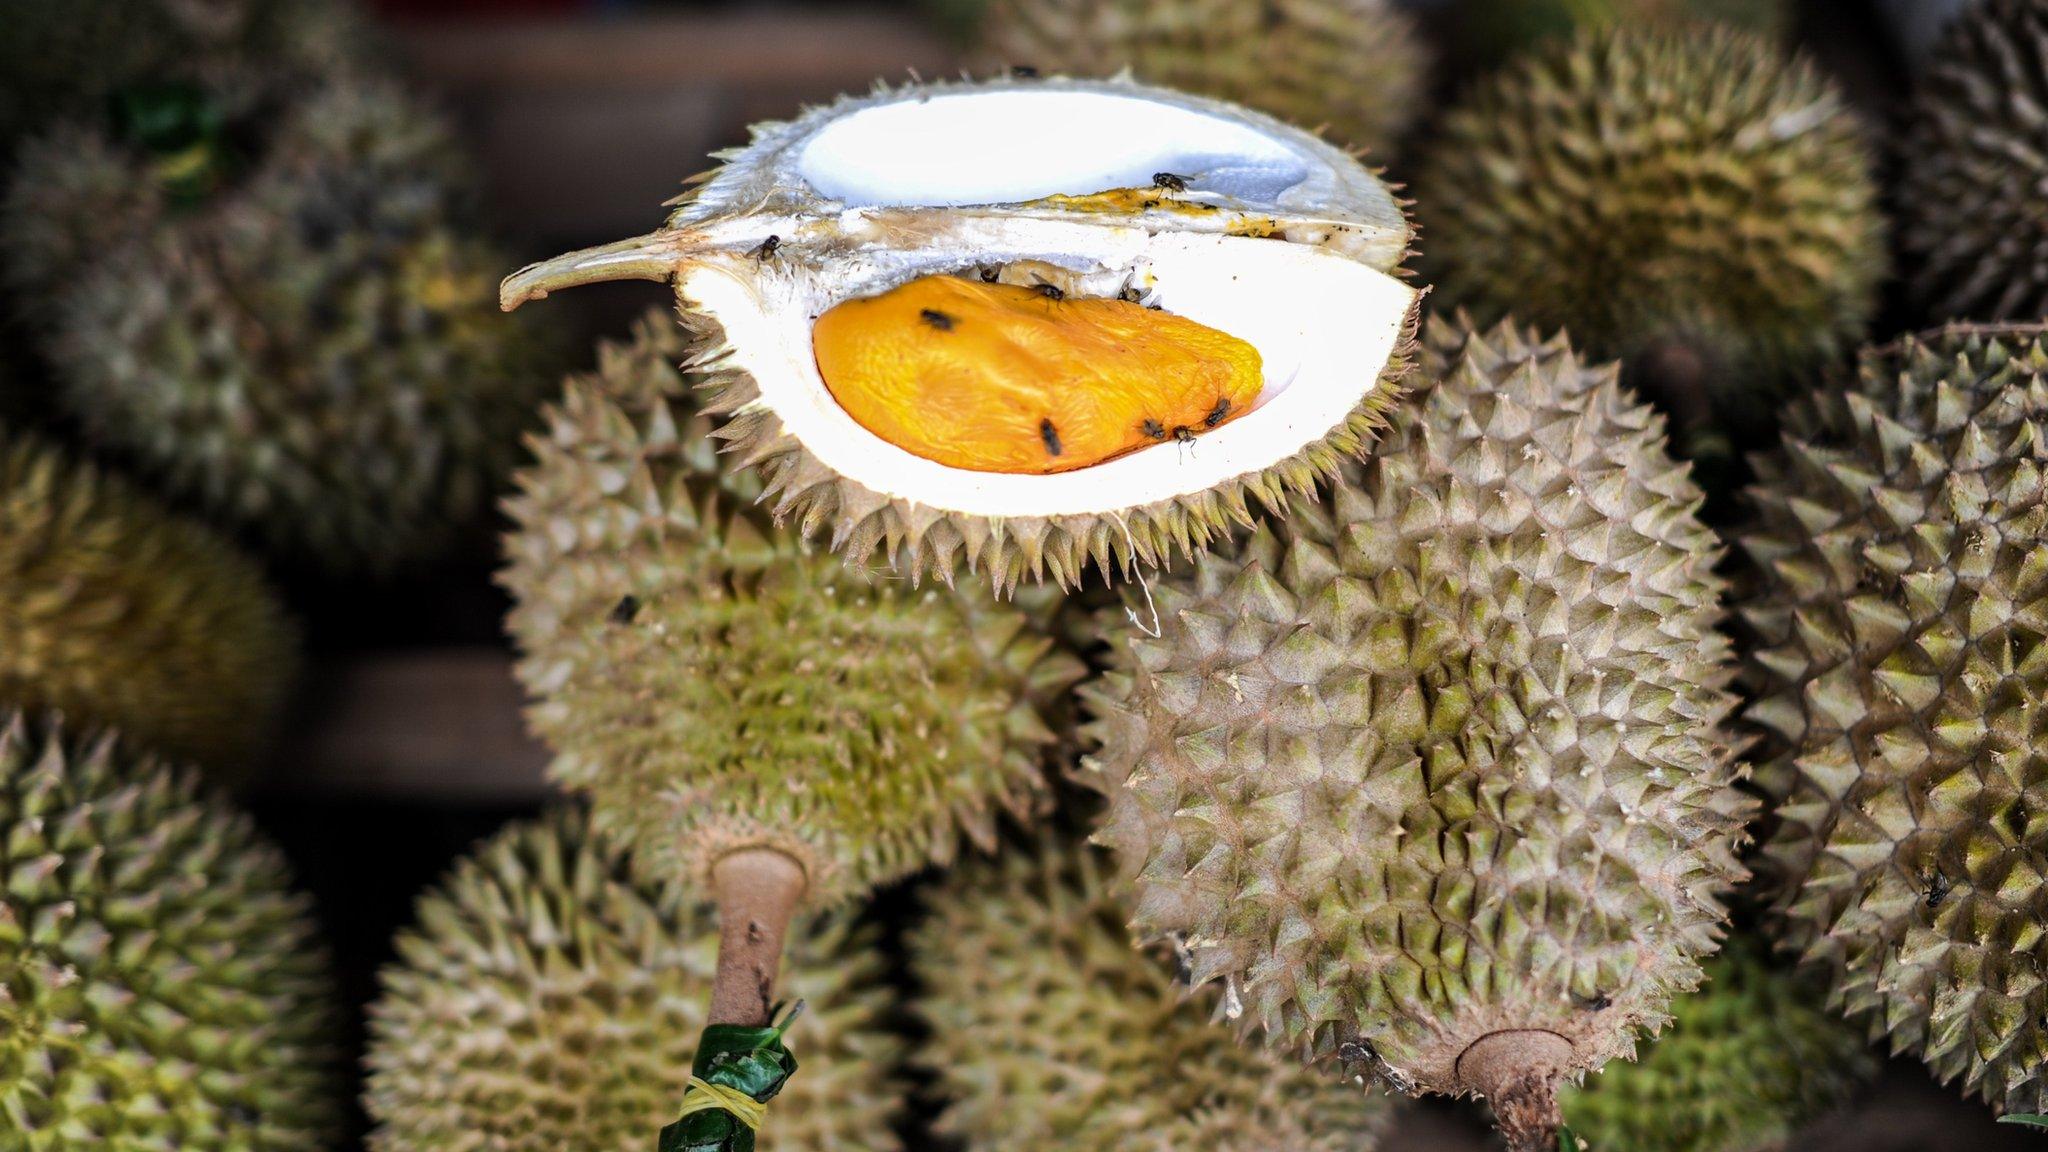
1518	1072
758	892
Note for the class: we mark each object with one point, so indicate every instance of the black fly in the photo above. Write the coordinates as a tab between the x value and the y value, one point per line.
1183	433
626	609
1130	295
1938	888
936	319
989	273
1155	429
1599	1003
1050	435
1049	291
1169	181
767	248
1217	413
1024	72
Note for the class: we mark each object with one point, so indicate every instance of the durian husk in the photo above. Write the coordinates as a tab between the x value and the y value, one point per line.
1490	31
310	353
1693	203
1434	774
551	995
117	612
161	986
1901	549
716	686
1973	169
1102	1048
1746	1060
1356	69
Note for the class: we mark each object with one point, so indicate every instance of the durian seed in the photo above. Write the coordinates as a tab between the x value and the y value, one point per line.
1169	181
1018	388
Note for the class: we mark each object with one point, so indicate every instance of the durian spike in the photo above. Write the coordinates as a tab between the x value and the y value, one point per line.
1517	1072
758	892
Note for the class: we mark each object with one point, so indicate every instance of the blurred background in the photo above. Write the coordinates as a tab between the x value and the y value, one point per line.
405	743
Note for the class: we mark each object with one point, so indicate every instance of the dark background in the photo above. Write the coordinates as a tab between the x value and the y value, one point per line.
407	745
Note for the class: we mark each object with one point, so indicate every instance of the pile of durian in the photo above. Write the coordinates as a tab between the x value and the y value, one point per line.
1575	641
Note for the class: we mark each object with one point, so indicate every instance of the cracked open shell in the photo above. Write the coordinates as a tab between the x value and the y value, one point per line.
1087	190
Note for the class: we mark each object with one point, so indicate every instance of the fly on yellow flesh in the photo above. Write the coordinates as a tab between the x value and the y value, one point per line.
1009	378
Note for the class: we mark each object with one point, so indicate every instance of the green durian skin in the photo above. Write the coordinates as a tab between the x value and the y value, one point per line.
1444	756
1357	69
1746	1060
1488	32
1973	171
551	993
715	685
161	986
1692	203
1900	551
1100	1049
312	353
117	612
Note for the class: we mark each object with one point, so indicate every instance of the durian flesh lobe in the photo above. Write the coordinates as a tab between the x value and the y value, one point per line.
1211	212
1434	774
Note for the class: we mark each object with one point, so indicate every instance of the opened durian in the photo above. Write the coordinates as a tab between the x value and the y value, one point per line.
1058	215
1747	1059
298	338
1432	777
1354	68
1049	1030
117	612
1973	171
160	985
1902	542
757	717
1690	202
551	994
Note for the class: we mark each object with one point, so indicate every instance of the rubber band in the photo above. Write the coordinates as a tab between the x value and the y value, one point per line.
704	1096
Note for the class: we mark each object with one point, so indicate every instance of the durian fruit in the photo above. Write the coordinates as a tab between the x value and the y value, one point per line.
551	994
160	984
1973	168
756	716
64	59
1433	777
1489	31
1692	203
117	612
1901	539
1747	1059
1087	208
1355	68
306	348
1049	1030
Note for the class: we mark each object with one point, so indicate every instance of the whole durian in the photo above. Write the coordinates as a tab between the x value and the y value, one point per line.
160	984
1692	203
116	612
1745	1060
1901	537
1100	1047
64	59
715	685
1433	776
551	995
307	347
1973	168
1488	31
1355	68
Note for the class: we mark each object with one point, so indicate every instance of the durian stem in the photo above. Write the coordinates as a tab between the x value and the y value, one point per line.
1518	1071
758	891
651	257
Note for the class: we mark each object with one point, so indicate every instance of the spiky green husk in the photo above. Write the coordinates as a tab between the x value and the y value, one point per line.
1691	196
313	351
63	59
1100	1048
1745	1060
116	612
160	985
1973	168
1443	758
551	997
1489	31
1354	67
1902	540
715	685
